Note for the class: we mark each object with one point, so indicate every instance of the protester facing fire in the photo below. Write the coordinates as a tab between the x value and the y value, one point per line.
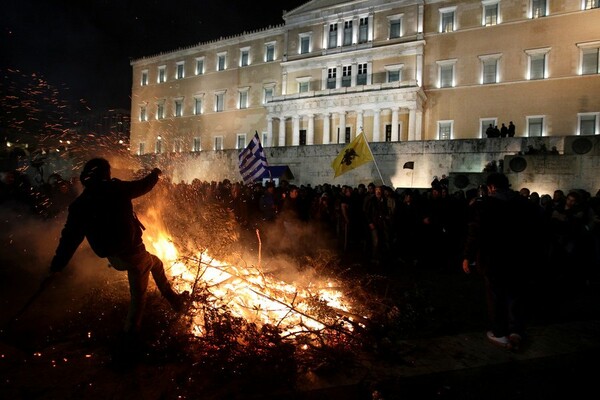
103	214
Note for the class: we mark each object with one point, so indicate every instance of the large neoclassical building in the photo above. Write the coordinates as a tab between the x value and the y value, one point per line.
399	70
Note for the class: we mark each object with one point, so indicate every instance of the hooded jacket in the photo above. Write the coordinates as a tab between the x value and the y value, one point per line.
103	214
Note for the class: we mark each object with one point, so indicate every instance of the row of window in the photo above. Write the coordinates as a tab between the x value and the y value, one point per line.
199	69
351	33
587	124
537	61
491	13
359	74
335	77
219	104
356	31
178	144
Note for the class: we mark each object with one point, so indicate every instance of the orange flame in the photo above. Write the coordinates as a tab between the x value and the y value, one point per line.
249	293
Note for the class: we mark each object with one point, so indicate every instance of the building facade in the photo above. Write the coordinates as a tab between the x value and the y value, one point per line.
399	71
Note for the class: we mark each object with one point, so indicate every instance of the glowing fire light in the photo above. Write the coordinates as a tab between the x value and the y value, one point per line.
249	293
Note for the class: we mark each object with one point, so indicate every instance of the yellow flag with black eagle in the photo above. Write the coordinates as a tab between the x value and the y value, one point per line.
355	154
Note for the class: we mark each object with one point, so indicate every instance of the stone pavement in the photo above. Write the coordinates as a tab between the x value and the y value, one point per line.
456	361
558	360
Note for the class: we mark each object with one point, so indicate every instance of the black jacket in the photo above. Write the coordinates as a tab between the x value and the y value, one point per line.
103	214
502	235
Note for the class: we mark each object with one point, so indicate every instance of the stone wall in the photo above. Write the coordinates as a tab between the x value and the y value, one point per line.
575	165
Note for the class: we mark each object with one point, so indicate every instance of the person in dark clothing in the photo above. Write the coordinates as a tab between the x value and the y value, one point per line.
103	214
496	131
377	214
503	131
493	218
511	129
291	216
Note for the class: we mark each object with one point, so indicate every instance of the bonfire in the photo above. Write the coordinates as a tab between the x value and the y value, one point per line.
305	310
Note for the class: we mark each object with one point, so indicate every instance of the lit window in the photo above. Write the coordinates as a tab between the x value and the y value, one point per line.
177	145
178	108
363	30
588	123
394	72
346	76
197	106
218	142
269	52
395	26
332	43
590	59
538	8
199	66
160	111
244	57
268	93
221	61
447	19
162	74
589	4
158	145
347	33
485	124
446	73
445	130
489	68
141	148
537	60
490	12
303	87
361	76
220	101
535	126
331	77
144	80
304	44
180	70
394	76
243	99
241	141
196	144
143	114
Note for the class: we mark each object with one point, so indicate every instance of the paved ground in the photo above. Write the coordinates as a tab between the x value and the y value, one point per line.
455	361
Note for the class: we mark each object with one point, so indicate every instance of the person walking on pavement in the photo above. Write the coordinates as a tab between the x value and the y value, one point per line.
103	214
506	269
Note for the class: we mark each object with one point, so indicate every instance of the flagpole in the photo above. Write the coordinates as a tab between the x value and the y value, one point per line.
374	161
268	169
267	163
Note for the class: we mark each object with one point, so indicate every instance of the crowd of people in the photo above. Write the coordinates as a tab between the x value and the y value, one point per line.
493	131
512	237
389	227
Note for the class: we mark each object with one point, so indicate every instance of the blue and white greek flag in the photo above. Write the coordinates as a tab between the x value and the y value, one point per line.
253	162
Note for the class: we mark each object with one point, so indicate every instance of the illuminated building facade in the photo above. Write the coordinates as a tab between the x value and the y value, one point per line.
403	70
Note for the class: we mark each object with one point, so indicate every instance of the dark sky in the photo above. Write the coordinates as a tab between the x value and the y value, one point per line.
86	45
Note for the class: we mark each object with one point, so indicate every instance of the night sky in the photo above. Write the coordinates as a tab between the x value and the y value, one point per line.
84	47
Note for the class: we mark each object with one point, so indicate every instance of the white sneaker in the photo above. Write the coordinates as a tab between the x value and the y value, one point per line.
501	341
